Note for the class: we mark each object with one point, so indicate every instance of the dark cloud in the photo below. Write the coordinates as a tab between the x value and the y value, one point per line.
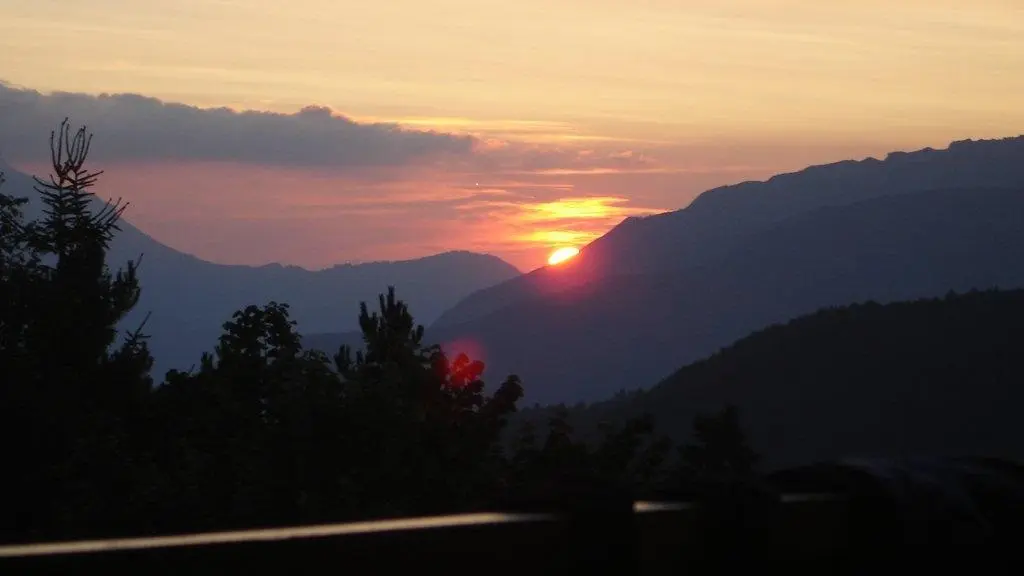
133	127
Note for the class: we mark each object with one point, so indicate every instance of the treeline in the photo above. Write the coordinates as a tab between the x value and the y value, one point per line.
261	432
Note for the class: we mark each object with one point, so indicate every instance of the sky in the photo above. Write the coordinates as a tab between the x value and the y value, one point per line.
315	132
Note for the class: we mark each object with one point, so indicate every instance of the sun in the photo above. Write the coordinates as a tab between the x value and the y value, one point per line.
562	254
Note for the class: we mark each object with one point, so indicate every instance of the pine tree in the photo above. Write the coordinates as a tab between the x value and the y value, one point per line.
71	398
423	419
720	450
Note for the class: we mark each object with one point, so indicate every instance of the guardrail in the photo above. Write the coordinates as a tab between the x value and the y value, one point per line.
645	538
856	517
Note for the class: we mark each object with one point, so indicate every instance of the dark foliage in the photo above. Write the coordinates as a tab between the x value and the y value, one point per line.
72	398
266	432
262	431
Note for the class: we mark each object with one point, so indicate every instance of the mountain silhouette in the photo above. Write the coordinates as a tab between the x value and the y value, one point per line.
658	292
721	219
188	299
935	378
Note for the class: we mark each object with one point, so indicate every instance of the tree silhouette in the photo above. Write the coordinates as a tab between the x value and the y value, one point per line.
719	450
244	430
424	419
261	432
69	401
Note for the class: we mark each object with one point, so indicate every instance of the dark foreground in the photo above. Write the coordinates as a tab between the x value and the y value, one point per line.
849	518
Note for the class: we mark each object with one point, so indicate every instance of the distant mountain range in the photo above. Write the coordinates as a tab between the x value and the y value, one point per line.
721	219
929	378
190	298
659	292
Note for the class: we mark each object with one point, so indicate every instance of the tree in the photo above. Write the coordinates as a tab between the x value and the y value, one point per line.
70	396
720	450
253	433
624	459
427	432
263	432
15	256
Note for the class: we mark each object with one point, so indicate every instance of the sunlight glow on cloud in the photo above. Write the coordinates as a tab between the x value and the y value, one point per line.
582	209
555	237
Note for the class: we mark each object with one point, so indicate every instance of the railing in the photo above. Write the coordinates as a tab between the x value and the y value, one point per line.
860	517
647	538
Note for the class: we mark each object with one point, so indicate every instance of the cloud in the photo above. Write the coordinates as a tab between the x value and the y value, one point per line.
130	127
561	209
589	208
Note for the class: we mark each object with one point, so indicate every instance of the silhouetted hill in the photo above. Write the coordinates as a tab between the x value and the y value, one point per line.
929	378
625	332
191	298
721	219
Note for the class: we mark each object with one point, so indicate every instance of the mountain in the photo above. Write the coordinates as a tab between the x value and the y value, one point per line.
189	298
660	291
928	378
721	219
628	331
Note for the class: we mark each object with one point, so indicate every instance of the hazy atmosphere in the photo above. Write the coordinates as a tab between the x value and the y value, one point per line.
317	132
515	287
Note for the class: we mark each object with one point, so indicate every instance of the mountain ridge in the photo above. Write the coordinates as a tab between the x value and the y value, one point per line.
720	218
628	331
932	377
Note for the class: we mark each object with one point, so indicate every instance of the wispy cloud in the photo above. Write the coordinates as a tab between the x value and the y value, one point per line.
560	221
590	208
554	237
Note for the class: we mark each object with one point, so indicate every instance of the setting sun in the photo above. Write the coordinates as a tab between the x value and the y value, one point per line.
562	254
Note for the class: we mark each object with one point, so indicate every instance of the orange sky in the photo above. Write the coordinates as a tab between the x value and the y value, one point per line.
621	106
